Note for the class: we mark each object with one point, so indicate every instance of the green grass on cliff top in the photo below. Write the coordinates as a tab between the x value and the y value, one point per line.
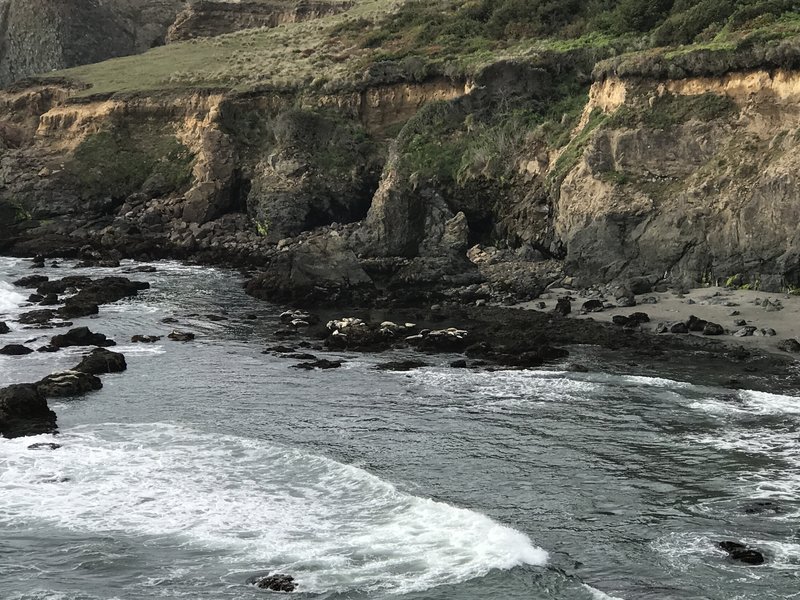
391	40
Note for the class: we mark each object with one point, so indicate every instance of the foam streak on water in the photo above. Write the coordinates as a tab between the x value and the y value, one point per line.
262	507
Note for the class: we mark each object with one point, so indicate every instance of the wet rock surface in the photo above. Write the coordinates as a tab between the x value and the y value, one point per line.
24	411
100	361
275	583
67	384
81	336
742	553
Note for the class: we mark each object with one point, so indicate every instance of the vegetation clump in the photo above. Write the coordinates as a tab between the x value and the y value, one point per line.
117	162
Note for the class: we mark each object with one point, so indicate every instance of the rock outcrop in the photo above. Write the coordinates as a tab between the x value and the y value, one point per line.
210	19
38	36
24	411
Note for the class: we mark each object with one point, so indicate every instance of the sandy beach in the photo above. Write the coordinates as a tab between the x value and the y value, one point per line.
723	306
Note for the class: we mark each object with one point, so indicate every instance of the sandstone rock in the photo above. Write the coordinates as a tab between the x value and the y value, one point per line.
24	411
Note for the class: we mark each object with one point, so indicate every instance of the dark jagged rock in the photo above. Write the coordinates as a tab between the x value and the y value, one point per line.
563	307
44	446
742	553
181	336
695	324
763	507
713	329
323	364
15	350
100	361
300	356
35	298
789	345
68	383
275	583
401	365
107	290
4	328
145	339
36	317
31	281
459	364
81	336
592	306
60	286
679	328
48	348
75	311
49	300
24	411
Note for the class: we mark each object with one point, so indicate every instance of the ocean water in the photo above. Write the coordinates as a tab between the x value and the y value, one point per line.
209	462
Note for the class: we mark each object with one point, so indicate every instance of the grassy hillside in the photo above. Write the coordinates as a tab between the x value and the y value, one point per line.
394	40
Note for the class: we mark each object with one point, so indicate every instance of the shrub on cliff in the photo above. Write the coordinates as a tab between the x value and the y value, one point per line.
118	162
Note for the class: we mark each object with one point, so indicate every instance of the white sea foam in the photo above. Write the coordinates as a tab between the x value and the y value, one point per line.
750	402
10	299
266	508
599	595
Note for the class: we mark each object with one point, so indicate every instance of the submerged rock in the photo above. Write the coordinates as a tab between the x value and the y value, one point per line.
319	364
742	553
181	336
275	583
44	446
402	365
145	339
24	411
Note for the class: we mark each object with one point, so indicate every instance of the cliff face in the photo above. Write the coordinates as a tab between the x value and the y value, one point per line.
687	180
38	36
209	19
694	179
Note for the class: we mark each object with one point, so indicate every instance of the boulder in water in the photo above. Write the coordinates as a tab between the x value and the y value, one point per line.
402	365
44	446
100	361
319	364
15	350
181	336
68	383
275	583
742	553
24	411
36	317
4	328
81	336
31	281
145	339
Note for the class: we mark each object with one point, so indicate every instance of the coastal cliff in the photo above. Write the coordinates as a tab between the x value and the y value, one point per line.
37	36
493	180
